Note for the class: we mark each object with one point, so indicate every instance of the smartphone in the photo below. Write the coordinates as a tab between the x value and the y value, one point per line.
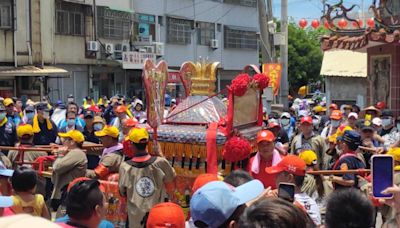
382	175
286	191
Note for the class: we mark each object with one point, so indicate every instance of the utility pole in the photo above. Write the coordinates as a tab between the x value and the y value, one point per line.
266	46
284	55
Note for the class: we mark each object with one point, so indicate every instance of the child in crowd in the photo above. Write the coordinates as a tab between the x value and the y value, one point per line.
25	201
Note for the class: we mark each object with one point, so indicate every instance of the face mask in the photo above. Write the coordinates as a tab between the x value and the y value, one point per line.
285	122
30	115
335	123
46	115
2	115
71	122
386	122
98	127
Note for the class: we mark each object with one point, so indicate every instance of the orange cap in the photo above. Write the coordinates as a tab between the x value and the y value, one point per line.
333	106
291	164
203	179
131	122
166	215
306	119
120	109
336	115
265	135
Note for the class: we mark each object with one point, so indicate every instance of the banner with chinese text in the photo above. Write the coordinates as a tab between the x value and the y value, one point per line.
274	71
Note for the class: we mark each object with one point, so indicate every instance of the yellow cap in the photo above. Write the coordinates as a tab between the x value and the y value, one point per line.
309	157
108	131
24	129
75	135
395	152
138	134
319	108
302	91
8	101
340	131
332	138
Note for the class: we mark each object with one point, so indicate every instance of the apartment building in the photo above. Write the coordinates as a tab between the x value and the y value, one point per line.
61	47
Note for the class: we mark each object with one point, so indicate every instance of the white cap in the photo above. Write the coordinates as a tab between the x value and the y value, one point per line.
377	121
285	115
173	100
138	101
353	114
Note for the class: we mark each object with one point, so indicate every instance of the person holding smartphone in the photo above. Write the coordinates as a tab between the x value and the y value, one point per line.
348	160
292	170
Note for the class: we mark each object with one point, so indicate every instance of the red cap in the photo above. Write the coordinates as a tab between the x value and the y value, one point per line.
336	115
306	119
265	135
273	124
94	108
203	179
166	215
381	105
121	109
333	106
131	122
291	164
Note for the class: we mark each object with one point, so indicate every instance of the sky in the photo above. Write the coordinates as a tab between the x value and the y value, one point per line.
311	9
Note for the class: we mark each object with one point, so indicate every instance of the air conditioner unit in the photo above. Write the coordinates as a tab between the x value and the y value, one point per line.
149	49
214	44
125	47
92	46
142	50
109	48
160	47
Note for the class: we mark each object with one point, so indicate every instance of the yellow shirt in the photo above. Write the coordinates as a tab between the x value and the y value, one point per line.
34	207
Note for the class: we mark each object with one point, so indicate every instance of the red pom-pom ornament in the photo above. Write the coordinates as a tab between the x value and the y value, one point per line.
239	84
262	81
236	149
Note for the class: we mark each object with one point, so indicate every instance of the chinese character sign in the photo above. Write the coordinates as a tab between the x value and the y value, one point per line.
274	71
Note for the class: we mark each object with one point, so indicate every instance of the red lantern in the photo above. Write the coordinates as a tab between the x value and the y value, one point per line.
315	23
358	24
342	23
371	22
303	23
327	25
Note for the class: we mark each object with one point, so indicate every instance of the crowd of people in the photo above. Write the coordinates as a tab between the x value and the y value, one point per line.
291	144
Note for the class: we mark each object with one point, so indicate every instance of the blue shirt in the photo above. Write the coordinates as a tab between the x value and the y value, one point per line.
103	224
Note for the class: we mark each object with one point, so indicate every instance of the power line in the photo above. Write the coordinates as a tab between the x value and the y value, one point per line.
228	11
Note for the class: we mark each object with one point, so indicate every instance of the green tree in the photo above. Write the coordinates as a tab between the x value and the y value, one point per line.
305	56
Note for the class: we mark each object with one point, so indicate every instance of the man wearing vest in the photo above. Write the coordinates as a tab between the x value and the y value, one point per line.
112	154
142	179
348	160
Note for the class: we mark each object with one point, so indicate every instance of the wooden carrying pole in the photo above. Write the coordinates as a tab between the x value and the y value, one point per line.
339	172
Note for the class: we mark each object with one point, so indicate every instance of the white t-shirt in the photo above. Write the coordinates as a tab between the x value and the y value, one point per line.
310	205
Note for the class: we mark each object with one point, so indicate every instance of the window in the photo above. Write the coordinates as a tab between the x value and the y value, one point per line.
113	24
239	38
179	30
145	26
250	3
206	32
69	19
5	14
